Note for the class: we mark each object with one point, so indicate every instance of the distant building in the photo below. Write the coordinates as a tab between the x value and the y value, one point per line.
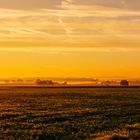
124	83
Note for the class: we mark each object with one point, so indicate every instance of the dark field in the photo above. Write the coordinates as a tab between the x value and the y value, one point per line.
69	113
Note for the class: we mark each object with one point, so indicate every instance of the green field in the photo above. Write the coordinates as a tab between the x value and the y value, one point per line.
69	113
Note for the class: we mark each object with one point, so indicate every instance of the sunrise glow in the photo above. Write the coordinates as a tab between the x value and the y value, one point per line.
69	38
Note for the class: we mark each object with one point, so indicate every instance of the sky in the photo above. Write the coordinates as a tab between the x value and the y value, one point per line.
70	38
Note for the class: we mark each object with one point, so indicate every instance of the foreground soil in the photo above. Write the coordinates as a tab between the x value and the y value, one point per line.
69	113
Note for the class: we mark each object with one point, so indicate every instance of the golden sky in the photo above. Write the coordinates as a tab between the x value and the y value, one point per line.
70	38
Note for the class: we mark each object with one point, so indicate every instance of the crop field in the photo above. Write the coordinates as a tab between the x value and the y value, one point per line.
69	113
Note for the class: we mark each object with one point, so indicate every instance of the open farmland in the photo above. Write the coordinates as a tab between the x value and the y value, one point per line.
69	113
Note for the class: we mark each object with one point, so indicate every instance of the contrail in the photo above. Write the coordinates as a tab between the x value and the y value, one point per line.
67	29
36	31
27	31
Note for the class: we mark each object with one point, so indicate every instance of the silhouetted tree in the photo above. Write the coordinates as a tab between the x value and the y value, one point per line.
19	80
124	83
44	82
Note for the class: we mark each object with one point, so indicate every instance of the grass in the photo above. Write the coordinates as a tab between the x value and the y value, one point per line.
69	113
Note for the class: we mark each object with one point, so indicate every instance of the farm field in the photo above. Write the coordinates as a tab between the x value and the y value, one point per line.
69	113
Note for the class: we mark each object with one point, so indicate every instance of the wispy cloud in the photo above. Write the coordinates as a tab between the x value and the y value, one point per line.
67	29
69	50
93	25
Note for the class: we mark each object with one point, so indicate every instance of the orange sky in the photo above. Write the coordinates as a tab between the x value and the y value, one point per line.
69	38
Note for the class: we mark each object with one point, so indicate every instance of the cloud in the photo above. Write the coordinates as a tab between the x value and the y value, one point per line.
120	4
72	23
29	4
65	4
67	30
54	4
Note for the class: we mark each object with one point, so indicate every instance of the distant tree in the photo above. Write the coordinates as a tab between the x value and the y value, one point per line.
124	83
7	81
44	82
49	82
38	81
65	83
19	80
13	81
